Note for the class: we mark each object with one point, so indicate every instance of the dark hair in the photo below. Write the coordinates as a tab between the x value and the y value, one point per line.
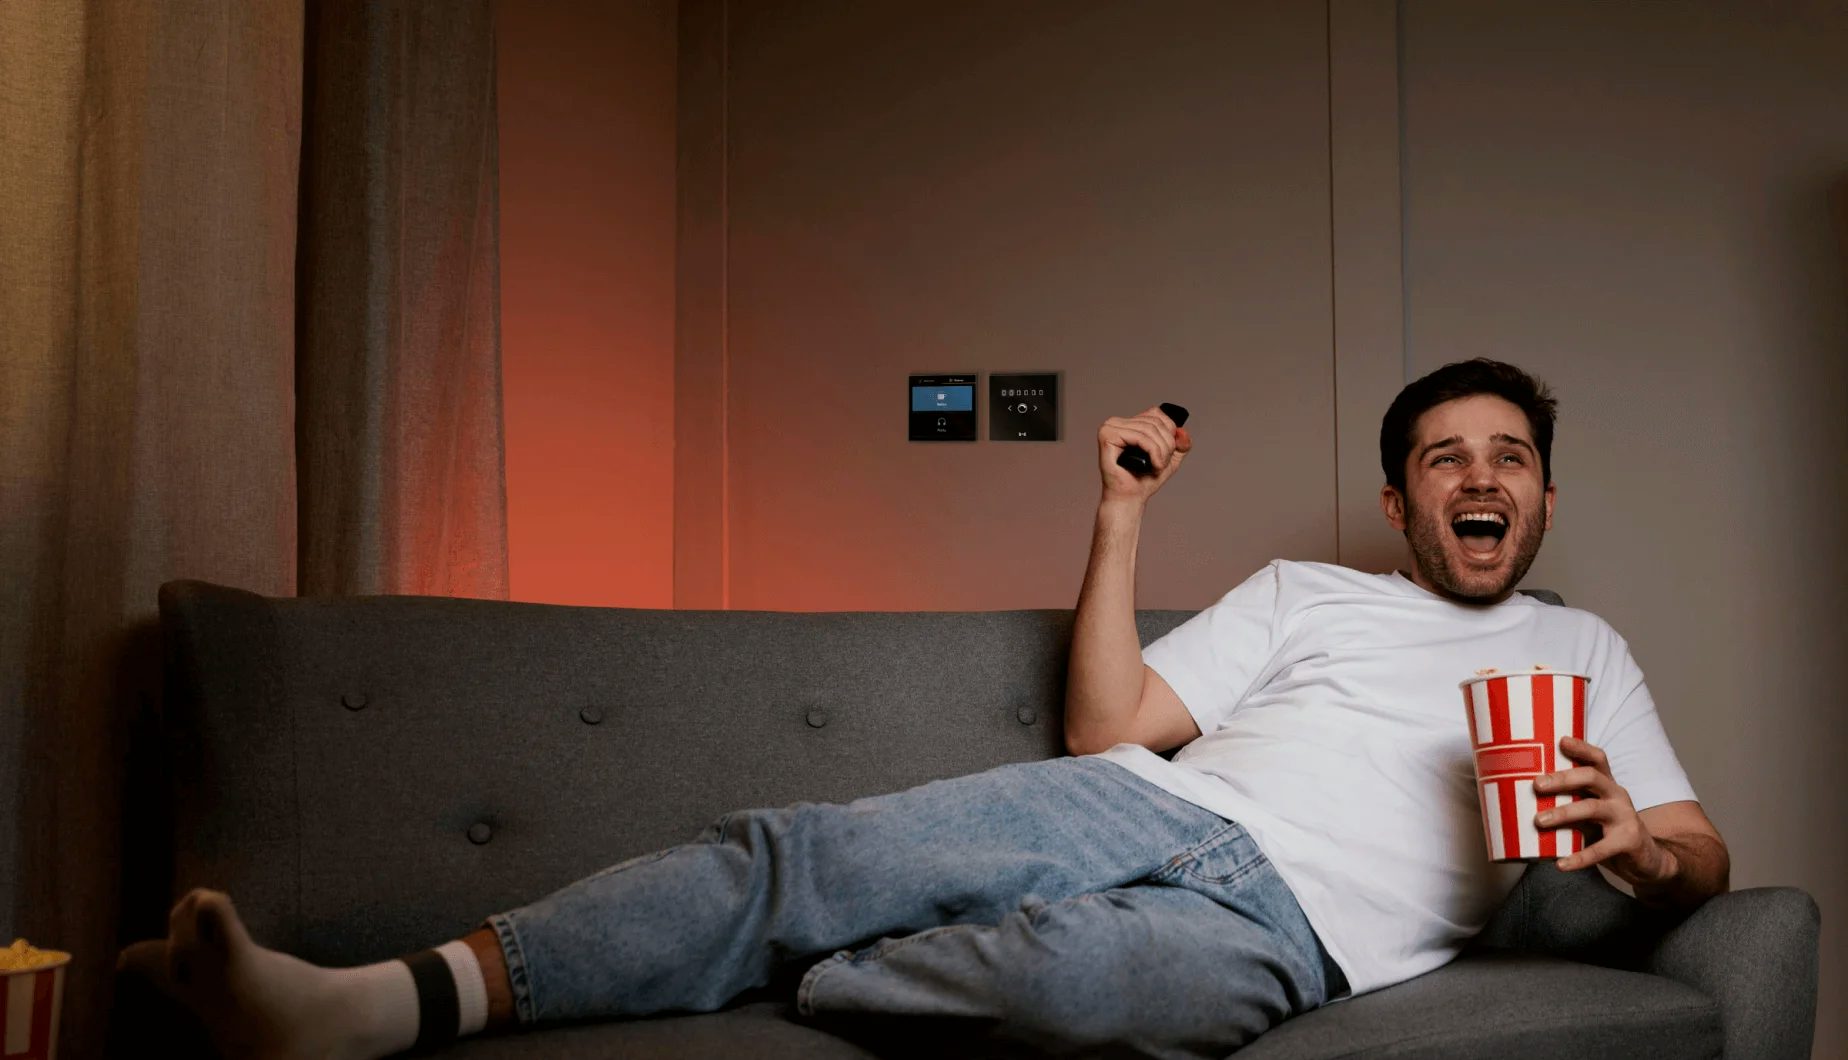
1457	380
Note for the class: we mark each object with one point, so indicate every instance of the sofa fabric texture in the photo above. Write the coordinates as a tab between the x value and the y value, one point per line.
368	776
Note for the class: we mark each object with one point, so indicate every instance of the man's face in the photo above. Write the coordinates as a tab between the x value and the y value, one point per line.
1473	454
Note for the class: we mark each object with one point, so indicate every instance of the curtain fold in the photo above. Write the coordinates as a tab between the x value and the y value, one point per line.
398	377
191	387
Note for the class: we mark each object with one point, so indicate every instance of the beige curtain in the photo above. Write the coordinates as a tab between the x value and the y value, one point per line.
189	390
398	427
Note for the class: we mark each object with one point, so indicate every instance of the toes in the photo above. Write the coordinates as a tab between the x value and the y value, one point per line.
149	962
190	951
218	925
205	937
147	959
182	922
182	911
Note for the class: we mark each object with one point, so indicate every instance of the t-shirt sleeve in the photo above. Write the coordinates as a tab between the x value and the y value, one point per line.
1212	659
1631	734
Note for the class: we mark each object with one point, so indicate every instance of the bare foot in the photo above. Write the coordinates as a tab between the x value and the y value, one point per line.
259	1003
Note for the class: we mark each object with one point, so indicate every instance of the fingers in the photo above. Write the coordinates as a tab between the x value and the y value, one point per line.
1619	832
1580	778
1571	813
1582	859
1623	836
1579	813
1139	431
1580	751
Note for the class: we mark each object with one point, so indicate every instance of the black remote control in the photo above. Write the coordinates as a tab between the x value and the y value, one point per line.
1133	460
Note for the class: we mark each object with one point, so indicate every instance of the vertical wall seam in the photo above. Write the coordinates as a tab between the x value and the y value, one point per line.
1405	228
725	305
1334	307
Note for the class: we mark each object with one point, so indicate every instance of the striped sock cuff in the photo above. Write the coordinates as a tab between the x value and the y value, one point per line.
437	1015
471	986
452	1000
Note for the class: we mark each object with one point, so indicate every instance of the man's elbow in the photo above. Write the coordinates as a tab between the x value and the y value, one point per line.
1089	741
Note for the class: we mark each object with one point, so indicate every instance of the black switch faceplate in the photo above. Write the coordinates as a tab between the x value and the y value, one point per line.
1023	408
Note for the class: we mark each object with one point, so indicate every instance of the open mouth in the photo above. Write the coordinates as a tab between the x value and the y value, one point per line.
1481	538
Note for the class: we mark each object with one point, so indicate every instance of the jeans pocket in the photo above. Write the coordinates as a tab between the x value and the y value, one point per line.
1221	859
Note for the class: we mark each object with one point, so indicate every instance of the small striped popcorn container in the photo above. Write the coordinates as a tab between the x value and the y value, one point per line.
29	1004
1516	720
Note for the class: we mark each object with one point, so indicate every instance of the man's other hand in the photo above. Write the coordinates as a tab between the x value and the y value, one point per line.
1624	844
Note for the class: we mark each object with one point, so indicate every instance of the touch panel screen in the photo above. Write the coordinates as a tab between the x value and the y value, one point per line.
942	408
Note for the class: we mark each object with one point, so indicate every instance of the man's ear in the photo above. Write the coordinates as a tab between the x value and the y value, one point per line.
1394	507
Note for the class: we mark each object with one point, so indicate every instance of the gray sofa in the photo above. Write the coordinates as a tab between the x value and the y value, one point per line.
367	776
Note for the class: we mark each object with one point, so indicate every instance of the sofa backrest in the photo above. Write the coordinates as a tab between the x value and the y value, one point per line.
367	775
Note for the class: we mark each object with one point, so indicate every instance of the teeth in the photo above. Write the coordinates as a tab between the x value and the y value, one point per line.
1495	517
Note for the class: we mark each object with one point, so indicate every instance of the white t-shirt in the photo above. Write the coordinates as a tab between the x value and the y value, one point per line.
1332	728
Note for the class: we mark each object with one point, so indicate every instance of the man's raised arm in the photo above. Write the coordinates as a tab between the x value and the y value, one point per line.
1105	683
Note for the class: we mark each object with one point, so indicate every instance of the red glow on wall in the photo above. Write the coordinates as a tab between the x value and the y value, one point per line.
586	103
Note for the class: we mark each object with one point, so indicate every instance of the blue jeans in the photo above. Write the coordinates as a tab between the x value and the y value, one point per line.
1068	901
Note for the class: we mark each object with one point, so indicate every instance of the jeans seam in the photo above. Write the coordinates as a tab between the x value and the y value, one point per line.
1237	876
1184	862
518	978
878	952
805	993
629	863
650	857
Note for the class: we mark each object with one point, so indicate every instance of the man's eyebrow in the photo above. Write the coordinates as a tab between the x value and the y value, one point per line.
1442	443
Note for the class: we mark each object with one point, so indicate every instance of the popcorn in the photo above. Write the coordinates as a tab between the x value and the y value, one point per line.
22	956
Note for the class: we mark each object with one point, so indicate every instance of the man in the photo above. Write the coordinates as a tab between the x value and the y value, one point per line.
1316	836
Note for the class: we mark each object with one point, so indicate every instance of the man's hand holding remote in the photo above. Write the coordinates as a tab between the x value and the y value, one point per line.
1156	434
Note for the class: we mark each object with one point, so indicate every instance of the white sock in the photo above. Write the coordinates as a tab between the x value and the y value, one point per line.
384	1001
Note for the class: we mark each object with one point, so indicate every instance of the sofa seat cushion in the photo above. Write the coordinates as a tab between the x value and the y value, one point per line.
760	1029
1506	1005
1511	1006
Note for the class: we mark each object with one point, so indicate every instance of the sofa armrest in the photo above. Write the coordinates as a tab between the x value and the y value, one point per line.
1755	952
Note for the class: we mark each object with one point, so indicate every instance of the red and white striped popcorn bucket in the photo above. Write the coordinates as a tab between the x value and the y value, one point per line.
1516	720
29	1007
